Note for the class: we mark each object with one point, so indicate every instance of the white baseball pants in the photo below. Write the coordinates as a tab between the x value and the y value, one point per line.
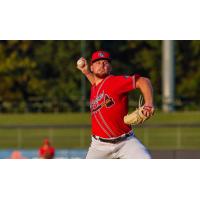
128	149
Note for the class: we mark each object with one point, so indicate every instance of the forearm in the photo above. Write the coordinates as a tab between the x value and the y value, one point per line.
83	67
89	76
144	84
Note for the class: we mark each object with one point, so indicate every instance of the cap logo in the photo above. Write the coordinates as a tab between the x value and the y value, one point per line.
101	55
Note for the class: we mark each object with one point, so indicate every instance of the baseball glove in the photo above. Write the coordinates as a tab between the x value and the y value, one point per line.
137	117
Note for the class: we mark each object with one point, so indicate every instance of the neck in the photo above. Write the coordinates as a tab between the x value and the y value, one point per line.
98	80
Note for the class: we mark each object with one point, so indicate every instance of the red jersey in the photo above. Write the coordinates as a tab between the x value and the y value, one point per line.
109	105
47	151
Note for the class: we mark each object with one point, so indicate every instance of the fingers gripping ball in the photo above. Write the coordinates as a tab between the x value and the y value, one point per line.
80	63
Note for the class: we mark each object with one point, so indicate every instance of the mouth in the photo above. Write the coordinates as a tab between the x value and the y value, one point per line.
102	70
101	74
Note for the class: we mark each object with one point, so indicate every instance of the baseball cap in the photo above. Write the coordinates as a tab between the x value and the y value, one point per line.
100	55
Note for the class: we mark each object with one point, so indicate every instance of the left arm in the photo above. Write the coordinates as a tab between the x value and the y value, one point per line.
144	84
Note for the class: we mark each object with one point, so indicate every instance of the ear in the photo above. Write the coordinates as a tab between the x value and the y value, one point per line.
110	69
91	68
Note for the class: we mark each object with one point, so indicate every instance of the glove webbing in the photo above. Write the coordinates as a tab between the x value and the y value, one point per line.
138	113
140	101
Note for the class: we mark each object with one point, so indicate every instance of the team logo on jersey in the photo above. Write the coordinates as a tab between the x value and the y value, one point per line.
98	98
108	102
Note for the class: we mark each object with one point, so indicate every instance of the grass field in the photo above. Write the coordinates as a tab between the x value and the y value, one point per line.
79	118
154	138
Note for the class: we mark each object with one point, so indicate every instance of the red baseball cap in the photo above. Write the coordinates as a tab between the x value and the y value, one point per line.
100	55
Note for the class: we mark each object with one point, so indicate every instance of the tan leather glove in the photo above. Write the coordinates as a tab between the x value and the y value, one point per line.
138	117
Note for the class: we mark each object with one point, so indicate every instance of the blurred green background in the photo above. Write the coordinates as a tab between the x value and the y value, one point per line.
40	76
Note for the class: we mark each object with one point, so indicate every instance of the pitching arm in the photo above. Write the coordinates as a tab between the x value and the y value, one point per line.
83	67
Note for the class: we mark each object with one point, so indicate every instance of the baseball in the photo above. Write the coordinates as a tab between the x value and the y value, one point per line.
80	63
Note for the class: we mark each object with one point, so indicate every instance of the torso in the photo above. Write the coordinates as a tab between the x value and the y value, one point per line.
109	105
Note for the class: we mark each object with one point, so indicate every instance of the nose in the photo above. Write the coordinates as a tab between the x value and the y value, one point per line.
103	64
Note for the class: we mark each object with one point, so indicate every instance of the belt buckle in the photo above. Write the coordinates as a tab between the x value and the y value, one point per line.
119	139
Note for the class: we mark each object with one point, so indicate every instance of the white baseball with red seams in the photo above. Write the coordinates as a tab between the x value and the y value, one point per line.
80	63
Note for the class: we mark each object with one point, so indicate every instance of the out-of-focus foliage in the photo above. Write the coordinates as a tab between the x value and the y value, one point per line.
41	75
188	73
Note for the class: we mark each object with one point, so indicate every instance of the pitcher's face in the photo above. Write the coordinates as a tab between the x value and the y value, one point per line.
101	68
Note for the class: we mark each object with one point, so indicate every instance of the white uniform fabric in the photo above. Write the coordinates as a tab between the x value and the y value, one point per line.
131	148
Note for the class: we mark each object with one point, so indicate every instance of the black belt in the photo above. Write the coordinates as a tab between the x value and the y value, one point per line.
115	140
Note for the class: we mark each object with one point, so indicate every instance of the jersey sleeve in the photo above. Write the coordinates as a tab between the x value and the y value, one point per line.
125	84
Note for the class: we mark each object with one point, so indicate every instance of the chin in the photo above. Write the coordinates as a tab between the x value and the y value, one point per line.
101	75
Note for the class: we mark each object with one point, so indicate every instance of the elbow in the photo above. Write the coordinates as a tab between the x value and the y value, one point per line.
146	79
142	81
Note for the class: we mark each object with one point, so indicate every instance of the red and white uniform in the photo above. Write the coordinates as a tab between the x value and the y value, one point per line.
109	105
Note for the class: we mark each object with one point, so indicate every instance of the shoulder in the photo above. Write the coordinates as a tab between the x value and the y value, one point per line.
121	77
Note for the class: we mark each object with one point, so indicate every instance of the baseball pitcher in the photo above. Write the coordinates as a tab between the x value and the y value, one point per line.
112	134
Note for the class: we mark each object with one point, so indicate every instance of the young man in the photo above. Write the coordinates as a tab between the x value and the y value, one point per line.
111	137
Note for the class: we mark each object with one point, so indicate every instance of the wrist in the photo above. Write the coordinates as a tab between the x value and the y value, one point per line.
148	105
